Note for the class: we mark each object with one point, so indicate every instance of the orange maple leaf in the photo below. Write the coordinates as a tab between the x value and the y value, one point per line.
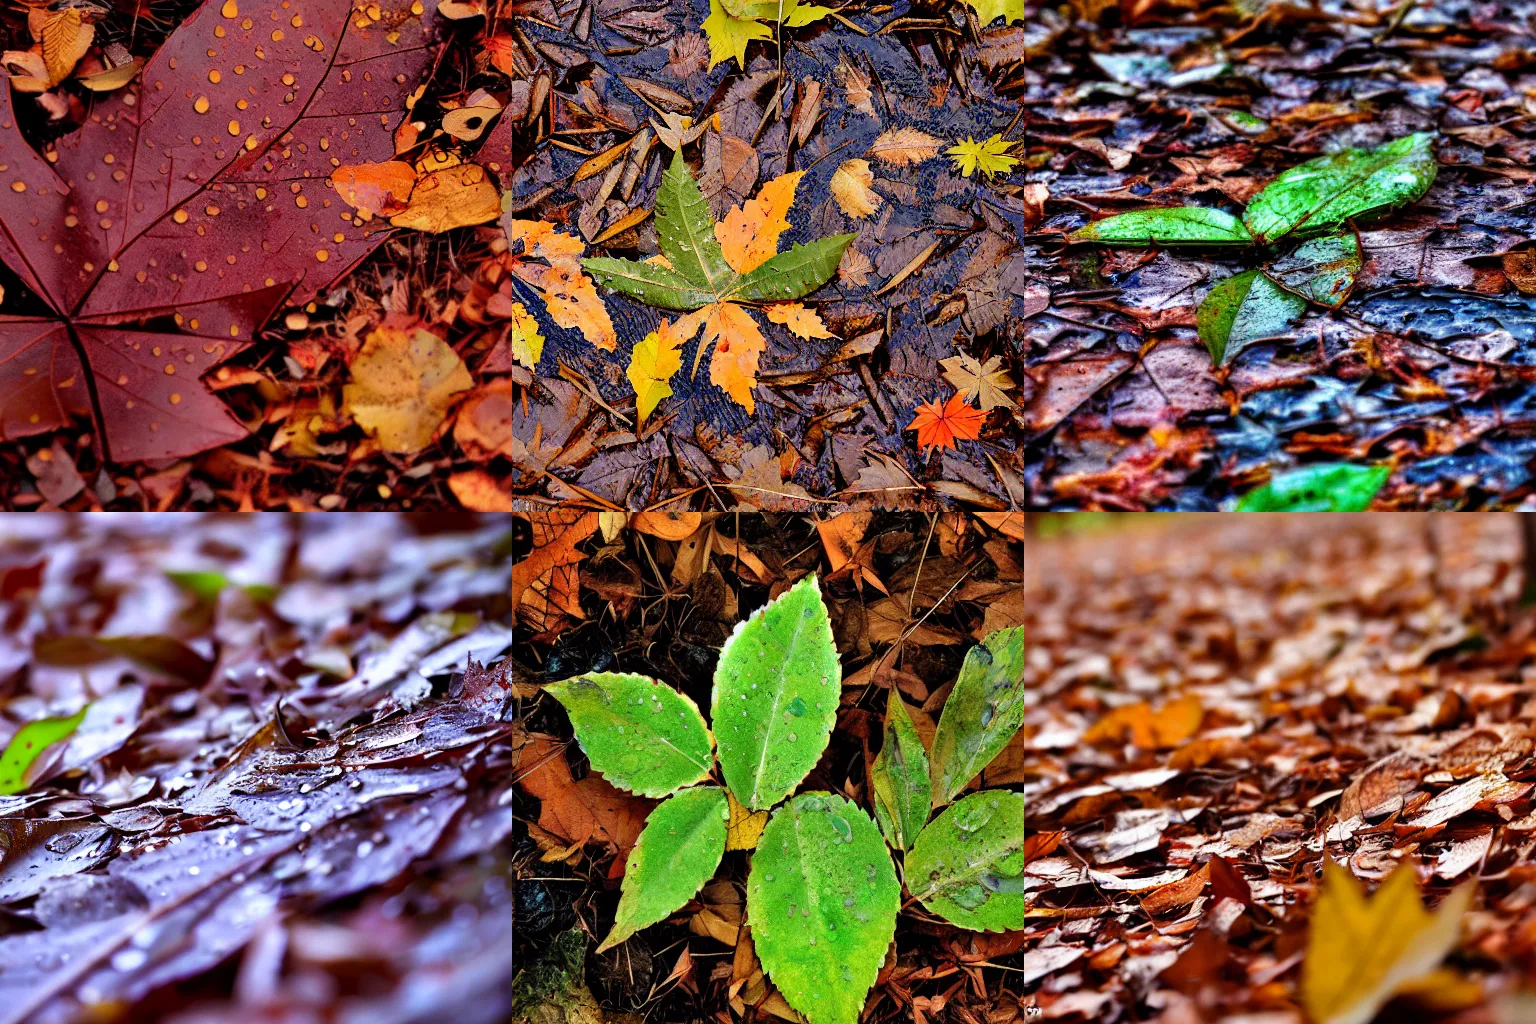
939	426
568	293
749	234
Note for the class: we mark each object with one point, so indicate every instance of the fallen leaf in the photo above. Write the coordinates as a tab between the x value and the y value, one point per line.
938	426
403	382
850	187
902	147
578	812
568	293
455	197
738	343
744	827
989	157
749	233
546	582
1168	726
523	335
801	321
654	360
478	490
375	189
985	382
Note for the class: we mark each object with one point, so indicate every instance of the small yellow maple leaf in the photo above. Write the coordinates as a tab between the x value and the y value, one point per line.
749	233
527	342
728	37
850	186
1361	952
745	827
802	322
651	366
989	157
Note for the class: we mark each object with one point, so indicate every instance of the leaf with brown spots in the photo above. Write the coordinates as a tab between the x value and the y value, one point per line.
199	190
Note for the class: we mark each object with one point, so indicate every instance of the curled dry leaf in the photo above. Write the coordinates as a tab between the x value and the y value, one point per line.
851	189
403	382
483	427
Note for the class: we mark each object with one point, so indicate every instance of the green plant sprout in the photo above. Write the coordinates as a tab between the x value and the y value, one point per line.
822	889
1311	205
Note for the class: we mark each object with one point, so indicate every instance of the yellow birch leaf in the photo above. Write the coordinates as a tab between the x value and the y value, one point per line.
738	343
403	383
527	342
850	186
745	827
802	322
1361	952
651	366
749	234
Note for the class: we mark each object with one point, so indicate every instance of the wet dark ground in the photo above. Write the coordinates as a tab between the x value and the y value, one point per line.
1428	365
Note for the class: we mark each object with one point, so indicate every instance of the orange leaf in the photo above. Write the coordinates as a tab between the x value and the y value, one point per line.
939	426
1166	727
571	298
802	322
545	585
540	238
373	189
749	234
738	343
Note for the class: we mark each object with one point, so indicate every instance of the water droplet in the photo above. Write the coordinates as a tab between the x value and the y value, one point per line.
813	940
986	716
847	901
972	816
842	828
793	737
796	707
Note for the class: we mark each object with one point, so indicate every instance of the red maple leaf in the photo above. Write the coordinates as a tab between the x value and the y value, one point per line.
939	426
199	190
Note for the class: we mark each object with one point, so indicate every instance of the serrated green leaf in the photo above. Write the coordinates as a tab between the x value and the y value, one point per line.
652	284
1322	269
1325	487
898	777
677	852
822	899
28	743
1241	310
642	735
793	274
686	232
1174	225
968	864
1322	194
981	714
775	697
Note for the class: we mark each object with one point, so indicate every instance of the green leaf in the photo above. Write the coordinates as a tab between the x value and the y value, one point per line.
822	900
1241	310
899	777
652	284
1322	269
968	865
687	232
793	274
981	714
1325	487
204	586
678	850
1174	225
1321	194
642	735
777	685
24	748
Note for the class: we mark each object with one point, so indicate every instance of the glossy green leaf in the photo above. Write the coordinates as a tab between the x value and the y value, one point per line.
793	274
1322	194
1173	225
642	735
686	232
1241	310
981	714
652	284
822	900
899	781
1325	487
968	864
28	743
1321	270
777	685
678	850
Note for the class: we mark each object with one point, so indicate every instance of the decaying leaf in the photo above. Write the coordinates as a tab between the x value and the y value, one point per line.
986	382
404	381
850	186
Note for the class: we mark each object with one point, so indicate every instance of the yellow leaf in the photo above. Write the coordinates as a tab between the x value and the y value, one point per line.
745	827
527	342
850	186
571	298
728	37
454	197
65	38
403	383
989	157
802	322
902	146
738	343
1361	952
1169	726
749	234
988	11
984	382
655	359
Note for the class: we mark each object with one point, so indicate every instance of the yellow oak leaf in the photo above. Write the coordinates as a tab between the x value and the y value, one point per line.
850	186
985	382
802	322
902	146
728	37
749	234
990	157
745	827
403	383
655	359
738	342
1361	952
527	342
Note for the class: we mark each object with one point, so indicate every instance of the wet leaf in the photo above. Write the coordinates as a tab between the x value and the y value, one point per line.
749	234
375	189
1321	270
651	365
775	696
642	735
738	343
793	274
568	294
728	37
986	382
28	744
991	155
1325	487
967	865
902	147
981	714
1174	225
453	197
988	11
403	383
939	426
687	232
1362	950
163	653
801	321
822	898
898	778
1243	309
1322	194
677	852
850	187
